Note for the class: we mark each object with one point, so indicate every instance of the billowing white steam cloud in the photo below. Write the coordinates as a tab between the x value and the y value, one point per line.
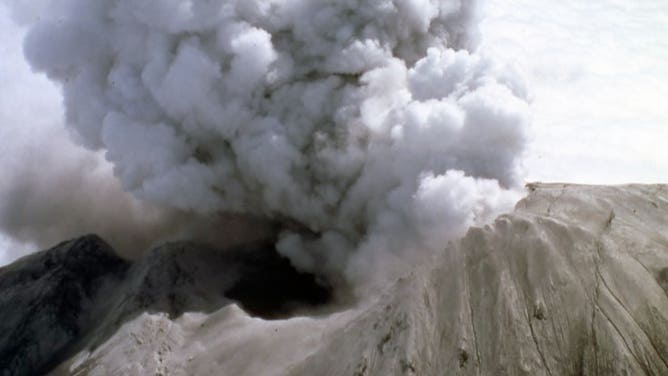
372	129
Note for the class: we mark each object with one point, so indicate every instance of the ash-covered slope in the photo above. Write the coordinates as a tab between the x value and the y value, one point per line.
573	282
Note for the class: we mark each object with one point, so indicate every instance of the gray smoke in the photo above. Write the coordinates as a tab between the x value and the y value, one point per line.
373	130
52	190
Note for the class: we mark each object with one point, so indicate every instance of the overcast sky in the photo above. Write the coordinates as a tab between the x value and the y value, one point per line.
599	78
597	71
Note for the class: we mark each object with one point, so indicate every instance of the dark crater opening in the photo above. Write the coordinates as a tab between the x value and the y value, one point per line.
183	277
271	288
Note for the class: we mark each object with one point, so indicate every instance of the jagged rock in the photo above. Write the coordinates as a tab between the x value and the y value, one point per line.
77	294
573	282
48	302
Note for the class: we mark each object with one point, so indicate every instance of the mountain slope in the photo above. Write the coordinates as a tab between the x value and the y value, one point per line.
49	300
573	282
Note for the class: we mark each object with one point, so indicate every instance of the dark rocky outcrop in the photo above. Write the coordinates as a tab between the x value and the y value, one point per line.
48	302
78	293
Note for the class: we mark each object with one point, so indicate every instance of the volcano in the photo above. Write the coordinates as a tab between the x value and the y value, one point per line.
574	281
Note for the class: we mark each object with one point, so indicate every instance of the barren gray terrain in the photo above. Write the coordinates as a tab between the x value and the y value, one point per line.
573	282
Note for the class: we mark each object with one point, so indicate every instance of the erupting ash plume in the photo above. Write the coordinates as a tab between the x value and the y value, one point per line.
373	130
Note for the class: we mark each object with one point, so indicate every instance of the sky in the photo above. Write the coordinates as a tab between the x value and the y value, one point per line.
596	71
599	81
26	100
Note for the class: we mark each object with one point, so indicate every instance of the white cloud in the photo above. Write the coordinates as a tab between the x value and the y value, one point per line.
52	189
599	79
316	113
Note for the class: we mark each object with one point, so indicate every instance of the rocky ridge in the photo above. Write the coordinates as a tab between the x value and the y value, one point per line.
573	282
